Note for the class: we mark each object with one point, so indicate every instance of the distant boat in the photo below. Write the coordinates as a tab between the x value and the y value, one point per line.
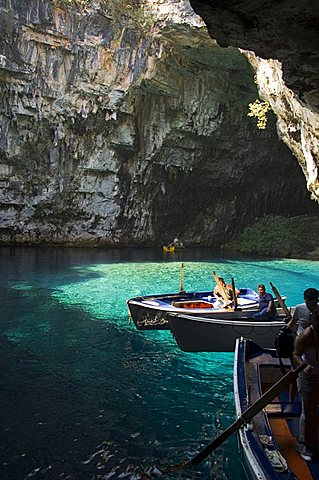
267	444
176	244
168	249
150	312
218	334
173	248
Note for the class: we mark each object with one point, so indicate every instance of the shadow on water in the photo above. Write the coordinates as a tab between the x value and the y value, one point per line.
101	401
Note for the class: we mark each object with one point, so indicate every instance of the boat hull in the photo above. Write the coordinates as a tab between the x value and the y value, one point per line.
168	249
197	334
267	443
172	248
148	318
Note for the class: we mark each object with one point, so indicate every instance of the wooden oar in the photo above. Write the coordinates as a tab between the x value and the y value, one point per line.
181	289
222	290
281	301
248	414
234	293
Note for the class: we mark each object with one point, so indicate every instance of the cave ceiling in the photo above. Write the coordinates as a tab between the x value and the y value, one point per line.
286	30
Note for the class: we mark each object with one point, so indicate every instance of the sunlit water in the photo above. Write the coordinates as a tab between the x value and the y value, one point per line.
84	395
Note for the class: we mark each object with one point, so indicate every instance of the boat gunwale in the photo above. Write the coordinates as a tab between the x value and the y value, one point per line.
170	309
246	438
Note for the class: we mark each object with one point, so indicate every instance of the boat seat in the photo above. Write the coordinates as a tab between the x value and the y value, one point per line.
283	409
193	304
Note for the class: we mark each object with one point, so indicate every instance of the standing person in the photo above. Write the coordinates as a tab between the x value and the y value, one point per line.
267	309
302	315
301	319
306	350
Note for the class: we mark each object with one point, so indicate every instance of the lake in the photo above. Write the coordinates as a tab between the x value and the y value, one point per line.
84	395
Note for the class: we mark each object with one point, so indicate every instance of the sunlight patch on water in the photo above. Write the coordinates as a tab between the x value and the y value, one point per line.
104	296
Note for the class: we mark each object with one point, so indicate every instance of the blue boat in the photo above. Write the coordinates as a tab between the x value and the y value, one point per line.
268	443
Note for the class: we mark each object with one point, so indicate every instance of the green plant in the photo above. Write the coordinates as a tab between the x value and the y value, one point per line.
274	235
68	3
259	110
132	14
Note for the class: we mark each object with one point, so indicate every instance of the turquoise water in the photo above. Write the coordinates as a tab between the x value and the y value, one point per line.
84	395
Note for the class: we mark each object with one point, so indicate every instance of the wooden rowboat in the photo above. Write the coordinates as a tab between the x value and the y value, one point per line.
150	312
268	443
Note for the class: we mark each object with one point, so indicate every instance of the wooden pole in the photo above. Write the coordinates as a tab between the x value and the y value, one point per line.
181	289
234	294
222	290
281	301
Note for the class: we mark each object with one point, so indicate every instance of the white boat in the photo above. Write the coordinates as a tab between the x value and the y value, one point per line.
150	312
203	334
268	441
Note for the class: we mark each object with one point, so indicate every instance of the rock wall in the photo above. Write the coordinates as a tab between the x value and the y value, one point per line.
281	42
130	133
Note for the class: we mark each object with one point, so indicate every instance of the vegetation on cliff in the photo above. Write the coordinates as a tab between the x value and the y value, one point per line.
66	3
132	14
259	110
275	235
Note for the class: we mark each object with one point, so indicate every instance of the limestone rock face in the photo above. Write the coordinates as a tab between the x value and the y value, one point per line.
282	43
130	133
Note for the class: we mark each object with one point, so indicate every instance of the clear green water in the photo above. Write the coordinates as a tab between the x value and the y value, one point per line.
84	395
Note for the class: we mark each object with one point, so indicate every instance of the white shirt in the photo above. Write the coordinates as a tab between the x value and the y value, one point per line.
302	316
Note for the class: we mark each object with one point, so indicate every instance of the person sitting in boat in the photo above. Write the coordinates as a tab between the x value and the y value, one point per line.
306	350
228	289
267	309
176	243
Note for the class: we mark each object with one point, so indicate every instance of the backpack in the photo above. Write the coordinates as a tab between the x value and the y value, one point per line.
284	342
